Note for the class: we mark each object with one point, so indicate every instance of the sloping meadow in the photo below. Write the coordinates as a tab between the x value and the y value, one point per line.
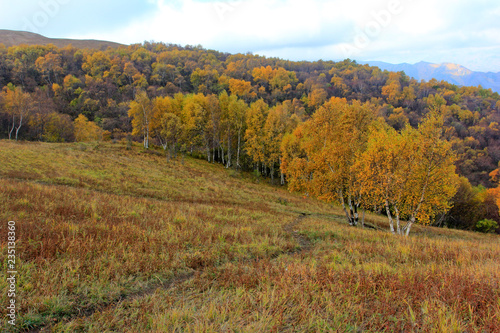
111	239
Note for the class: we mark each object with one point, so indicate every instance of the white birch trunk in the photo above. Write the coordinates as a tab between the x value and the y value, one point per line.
239	147
353	212
13	126
389	216
413	217
19	127
342	202
398	224
228	165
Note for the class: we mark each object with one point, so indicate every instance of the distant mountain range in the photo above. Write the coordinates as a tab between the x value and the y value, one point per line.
452	73
14	38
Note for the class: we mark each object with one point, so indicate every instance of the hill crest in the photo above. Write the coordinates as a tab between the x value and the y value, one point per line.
13	38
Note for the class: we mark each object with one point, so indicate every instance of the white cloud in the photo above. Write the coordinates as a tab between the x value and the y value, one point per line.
462	31
243	24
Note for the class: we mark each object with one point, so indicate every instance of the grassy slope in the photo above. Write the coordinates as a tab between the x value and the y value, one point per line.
117	240
14	38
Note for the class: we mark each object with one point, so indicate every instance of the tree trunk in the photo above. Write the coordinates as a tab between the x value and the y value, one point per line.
282	175
406	229
398	224
342	202
353	211
408	226
228	165
146	128
20	124
439	223
388	211
164	145
13	126
239	146
363	218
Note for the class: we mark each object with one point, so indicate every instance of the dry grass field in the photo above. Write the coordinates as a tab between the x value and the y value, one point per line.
117	240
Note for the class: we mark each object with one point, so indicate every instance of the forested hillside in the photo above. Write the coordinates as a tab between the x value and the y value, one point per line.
238	109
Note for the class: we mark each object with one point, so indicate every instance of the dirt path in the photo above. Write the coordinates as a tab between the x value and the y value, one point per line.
304	243
82	313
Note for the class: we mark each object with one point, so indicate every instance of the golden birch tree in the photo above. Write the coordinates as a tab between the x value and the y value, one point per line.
411	173
141	112
329	145
167	126
86	130
254	134
18	106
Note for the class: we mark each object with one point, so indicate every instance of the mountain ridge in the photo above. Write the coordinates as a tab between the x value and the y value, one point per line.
450	72
14	38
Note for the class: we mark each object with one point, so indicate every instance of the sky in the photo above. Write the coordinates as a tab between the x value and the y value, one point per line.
456	31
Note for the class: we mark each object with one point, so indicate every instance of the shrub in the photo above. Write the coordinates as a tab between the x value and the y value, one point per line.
486	226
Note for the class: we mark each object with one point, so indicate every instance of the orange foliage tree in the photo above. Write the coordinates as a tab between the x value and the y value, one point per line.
141	112
18	106
320	157
86	130
411	173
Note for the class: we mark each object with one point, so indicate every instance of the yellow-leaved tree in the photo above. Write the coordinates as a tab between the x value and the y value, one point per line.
410	173
242	89
495	192
141	112
201	118
18	106
254	135
273	130
320	157
233	111
167	125
86	130
280	121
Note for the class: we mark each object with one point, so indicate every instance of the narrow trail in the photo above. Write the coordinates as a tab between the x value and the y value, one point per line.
304	243
151	289
82	313
85	312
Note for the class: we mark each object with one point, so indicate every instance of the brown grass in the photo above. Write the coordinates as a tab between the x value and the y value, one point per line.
117	240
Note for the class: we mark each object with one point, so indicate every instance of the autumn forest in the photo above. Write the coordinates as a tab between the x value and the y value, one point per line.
351	134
